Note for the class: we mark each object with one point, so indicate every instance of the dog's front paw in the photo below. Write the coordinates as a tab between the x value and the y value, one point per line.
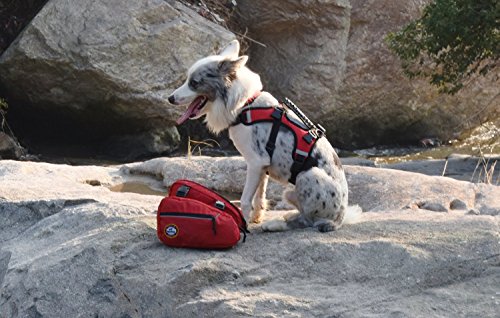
274	226
259	208
257	216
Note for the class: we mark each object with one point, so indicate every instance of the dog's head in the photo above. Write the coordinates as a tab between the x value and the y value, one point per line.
208	81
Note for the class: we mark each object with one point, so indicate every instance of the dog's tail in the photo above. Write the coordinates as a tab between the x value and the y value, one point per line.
352	214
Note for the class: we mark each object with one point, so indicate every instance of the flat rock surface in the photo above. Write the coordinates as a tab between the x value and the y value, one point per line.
70	247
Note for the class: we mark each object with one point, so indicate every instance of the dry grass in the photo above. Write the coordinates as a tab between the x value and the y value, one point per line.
195	146
221	12
485	169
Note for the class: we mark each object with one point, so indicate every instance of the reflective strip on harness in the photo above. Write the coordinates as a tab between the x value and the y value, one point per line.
249	117
302	153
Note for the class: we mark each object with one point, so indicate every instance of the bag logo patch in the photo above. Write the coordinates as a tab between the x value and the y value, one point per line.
171	230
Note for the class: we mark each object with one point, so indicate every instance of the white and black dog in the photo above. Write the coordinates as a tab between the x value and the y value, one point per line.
217	87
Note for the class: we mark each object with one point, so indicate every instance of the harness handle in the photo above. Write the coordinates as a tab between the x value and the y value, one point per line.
318	129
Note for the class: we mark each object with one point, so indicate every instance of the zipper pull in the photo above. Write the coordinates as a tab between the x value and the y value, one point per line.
220	205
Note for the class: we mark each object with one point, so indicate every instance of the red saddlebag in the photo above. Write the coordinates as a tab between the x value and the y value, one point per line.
194	216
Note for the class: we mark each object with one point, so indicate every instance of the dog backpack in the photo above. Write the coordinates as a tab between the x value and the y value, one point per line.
196	217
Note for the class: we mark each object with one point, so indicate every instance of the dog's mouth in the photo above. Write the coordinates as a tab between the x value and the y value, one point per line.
193	110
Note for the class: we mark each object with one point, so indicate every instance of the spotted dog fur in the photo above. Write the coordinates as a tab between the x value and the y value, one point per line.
320	194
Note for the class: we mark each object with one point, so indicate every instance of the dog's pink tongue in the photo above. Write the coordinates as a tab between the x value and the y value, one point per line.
191	111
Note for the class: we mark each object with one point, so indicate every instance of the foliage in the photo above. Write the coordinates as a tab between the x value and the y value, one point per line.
3	105
453	40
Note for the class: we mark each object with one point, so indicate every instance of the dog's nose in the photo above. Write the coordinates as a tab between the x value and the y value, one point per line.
171	99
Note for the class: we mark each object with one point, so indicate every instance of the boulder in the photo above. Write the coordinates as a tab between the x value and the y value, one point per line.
332	60
305	53
101	70
9	147
70	247
377	104
374	189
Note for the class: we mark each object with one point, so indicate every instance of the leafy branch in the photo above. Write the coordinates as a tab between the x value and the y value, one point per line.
451	42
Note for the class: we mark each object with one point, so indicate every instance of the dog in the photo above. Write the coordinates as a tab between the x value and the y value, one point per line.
218	87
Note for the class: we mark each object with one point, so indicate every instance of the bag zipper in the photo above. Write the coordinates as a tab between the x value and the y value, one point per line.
192	216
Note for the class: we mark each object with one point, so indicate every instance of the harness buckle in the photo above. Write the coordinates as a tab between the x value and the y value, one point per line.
277	113
310	136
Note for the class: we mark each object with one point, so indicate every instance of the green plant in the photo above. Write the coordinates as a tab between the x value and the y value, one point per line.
452	41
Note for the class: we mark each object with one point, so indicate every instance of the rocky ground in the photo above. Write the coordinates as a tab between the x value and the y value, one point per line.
69	247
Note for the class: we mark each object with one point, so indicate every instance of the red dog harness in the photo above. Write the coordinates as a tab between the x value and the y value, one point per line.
304	138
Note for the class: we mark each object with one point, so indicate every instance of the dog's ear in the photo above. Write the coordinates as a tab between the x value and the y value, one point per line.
231	50
231	66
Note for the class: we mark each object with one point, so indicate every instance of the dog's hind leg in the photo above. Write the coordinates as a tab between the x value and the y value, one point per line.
327	225
259	200
295	220
291	197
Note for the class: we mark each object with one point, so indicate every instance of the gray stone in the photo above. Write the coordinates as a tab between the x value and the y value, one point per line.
474	212
305	53
107	67
9	147
457	204
433	206
374	189
70	249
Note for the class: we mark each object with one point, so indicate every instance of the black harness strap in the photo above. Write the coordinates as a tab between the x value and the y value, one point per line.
271	142
301	165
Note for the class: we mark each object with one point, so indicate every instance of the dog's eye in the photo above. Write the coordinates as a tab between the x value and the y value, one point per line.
194	83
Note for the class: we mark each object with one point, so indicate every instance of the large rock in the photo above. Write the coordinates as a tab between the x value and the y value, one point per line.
9	147
104	69
72	248
377	104
306	43
374	189
333	61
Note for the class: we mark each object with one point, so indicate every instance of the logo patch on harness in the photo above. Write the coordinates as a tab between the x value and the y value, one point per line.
171	230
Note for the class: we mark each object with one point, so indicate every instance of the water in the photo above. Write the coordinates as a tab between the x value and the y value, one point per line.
482	141
138	187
